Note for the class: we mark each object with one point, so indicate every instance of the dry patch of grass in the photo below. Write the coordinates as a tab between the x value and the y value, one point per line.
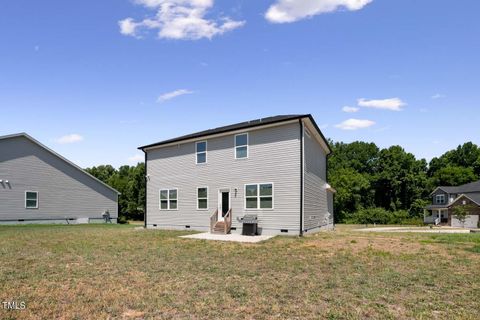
98	272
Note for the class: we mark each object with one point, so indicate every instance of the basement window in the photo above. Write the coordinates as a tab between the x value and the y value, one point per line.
31	199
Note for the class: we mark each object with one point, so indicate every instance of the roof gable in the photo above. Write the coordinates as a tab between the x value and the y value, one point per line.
475	198
42	146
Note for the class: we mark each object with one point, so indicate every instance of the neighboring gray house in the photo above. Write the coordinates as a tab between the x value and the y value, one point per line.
275	168
38	185
444	201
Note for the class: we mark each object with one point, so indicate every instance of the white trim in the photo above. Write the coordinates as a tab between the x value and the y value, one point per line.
258	197
219	202
37	200
206	151
202	209
302	222
168	199
242	145
440	196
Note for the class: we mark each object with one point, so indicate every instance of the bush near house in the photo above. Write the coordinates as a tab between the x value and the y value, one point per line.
382	216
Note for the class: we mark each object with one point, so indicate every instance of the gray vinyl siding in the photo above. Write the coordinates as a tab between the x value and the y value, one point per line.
64	191
274	157
440	192
316	198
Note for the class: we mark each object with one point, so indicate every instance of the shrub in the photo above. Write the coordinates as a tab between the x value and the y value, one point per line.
382	216
122	220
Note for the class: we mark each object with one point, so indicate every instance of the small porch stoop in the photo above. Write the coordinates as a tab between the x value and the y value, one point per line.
221	227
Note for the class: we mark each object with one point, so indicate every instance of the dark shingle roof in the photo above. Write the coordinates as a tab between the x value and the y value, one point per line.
466	188
475	197
239	126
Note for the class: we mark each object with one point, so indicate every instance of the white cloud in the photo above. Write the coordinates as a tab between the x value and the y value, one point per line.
179	19
283	11
136	158
69	138
350	109
173	94
127	27
354	124
394	104
438	96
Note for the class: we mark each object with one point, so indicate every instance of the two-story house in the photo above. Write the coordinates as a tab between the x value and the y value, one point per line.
273	168
444	201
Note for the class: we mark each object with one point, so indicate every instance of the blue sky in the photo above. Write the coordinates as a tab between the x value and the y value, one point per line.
96	79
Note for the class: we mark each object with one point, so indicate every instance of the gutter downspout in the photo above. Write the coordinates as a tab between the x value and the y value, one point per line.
333	193
302	173
146	193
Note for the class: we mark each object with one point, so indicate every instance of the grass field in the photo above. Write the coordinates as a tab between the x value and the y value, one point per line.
113	271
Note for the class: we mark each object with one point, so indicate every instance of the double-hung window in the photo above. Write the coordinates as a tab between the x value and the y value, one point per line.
168	199
201	150
259	196
202	198
241	146
440	199
31	199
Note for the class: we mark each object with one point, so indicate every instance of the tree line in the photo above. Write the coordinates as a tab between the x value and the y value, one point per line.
373	185
130	182
391	185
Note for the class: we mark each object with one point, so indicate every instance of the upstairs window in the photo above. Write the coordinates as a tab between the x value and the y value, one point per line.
241	146
31	199
202	198
169	199
440	199
259	196
201	150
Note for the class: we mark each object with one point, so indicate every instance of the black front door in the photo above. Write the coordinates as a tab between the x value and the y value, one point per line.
225	203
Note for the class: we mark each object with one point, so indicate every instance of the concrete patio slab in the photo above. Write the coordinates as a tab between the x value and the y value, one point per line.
227	237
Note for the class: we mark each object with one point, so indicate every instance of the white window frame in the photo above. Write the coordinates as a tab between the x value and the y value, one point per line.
258	196
198	208
36	205
243	145
442	196
197	152
168	199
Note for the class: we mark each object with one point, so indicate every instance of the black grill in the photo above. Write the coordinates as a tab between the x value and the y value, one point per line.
250	222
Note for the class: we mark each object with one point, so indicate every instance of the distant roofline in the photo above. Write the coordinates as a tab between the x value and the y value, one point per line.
239	126
456	189
461	196
25	135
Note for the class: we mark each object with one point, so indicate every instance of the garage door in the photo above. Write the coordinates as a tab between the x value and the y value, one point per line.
471	222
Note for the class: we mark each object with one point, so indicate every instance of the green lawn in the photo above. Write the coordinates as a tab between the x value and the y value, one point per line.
102	271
